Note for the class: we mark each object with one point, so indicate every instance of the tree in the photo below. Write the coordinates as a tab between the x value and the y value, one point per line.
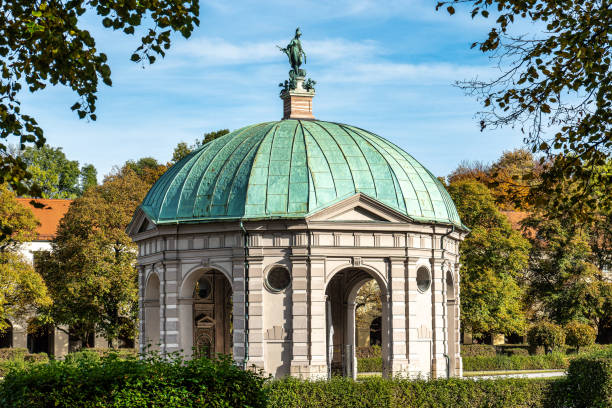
183	149
367	303
564	282
17	222
546	334
89	177
44	43
215	134
51	170
579	335
90	272
494	258
558	79
147	168
21	288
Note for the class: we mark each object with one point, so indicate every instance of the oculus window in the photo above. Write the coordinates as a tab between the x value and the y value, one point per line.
278	279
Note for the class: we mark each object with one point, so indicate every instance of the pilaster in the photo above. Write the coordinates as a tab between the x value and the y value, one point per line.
398	356
239	309
255	317
299	312
438	319
168	307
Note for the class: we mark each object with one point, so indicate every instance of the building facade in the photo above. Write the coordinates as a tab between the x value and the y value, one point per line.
256	245
50	340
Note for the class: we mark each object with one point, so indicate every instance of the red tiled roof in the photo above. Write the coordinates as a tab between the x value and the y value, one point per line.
49	215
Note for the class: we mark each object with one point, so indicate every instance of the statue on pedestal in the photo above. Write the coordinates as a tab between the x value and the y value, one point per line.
296	55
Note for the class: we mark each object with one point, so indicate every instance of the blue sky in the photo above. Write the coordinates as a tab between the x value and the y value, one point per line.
384	66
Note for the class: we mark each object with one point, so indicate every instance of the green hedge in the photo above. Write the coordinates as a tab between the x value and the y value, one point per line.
7	354
589	382
477	350
113	382
369	365
516	362
402	393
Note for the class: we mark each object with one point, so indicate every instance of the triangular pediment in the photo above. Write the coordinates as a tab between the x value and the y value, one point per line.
140	223
359	208
205	321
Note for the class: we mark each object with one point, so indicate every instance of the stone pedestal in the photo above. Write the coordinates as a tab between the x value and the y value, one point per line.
297	103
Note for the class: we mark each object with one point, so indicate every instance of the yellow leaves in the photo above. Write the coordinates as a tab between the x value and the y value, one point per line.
21	287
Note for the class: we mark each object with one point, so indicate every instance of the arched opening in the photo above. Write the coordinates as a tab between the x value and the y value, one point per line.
39	338
6	335
376	332
351	295
451	322
208	306
151	312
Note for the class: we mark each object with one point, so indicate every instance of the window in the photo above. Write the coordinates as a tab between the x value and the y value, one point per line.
423	279
203	288
278	279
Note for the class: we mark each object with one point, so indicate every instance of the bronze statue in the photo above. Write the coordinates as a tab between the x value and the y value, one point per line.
295	53
296	56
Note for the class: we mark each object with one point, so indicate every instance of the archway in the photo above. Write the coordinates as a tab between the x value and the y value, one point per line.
6	336
207	314
451	322
341	293
151	311
39	338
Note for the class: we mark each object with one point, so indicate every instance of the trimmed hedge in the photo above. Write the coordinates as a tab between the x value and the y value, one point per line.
7	354
589	382
153	382
402	393
369	365
516	362
478	350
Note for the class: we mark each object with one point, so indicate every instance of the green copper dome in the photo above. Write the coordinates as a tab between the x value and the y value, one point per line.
292	168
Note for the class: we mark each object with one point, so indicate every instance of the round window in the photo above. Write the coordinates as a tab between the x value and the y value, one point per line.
278	279
203	288
423	279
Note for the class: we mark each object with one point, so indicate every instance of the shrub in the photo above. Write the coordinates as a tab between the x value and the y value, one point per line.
473	350
579	335
516	351
119	352
551	361
589	382
7	354
546	334
403	393
151	382
369	351
369	364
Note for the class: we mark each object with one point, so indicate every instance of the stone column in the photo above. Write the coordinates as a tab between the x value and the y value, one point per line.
438	322
316	319
398	360
238	302
141	309
255	311
457	317
349	333
412	324
299	313
20	334
60	341
168	307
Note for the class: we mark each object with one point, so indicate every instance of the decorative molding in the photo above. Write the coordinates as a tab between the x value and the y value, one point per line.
276	333
424	332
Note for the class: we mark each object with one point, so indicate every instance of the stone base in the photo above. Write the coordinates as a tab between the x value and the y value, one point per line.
308	372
